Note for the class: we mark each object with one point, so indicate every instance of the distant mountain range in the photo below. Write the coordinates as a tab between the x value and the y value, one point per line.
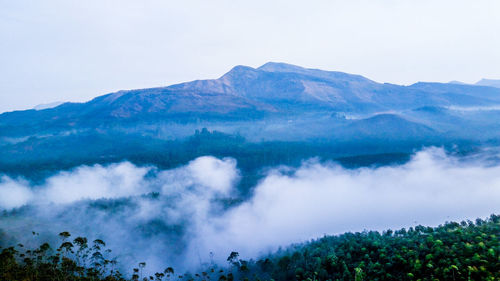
47	105
274	102
482	82
489	82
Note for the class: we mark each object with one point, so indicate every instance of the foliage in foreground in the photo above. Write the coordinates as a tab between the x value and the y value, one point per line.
453	251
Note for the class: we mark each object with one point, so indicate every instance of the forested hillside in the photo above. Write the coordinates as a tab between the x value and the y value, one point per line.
453	251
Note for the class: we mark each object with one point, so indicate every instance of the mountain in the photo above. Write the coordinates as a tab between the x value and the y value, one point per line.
47	105
245	93
483	82
489	82
457	82
277	112
387	127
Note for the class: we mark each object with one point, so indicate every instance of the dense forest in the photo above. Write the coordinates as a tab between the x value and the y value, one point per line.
453	251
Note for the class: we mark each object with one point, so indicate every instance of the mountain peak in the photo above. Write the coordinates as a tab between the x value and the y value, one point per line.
489	82
240	71
280	67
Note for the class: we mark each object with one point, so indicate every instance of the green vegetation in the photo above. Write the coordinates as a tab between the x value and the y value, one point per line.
453	251
72	260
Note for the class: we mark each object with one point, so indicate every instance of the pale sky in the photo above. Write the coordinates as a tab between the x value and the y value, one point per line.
68	50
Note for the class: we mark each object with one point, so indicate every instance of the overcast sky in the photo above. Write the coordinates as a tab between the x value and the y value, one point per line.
65	50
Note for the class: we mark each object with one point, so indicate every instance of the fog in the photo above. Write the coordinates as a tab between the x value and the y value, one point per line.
474	108
177	217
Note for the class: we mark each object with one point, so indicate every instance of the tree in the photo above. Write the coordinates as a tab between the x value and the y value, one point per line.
233	258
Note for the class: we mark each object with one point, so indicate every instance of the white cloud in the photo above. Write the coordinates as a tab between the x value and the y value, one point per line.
327	199
13	194
95	182
204	177
218	175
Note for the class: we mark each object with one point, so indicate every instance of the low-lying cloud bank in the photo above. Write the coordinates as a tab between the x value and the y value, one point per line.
176	217
321	199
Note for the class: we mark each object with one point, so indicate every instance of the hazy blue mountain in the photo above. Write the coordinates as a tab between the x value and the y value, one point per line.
386	127
47	105
457	82
489	82
244	93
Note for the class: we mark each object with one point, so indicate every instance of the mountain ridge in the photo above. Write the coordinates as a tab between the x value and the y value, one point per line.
233	81
274	91
489	82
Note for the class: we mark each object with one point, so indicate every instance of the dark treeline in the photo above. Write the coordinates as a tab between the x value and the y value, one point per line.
453	251
38	158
